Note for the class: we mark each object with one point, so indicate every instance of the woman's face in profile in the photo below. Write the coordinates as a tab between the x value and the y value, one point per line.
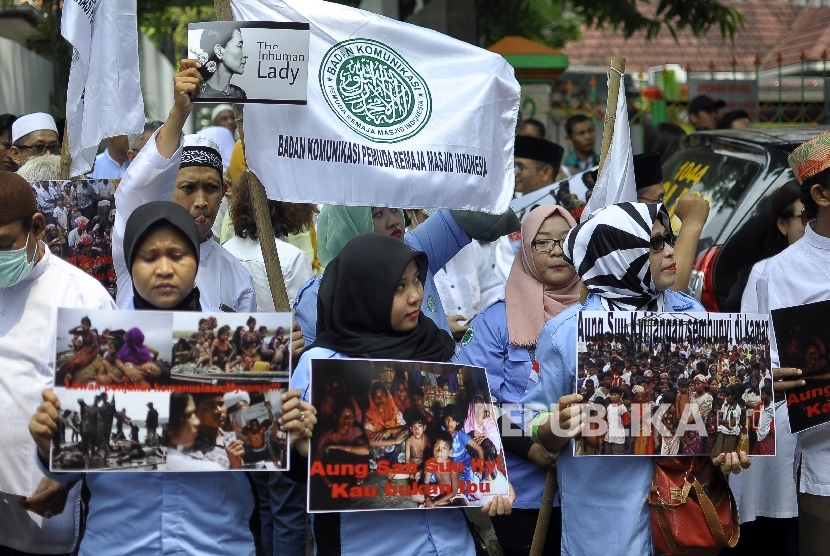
233	54
186	435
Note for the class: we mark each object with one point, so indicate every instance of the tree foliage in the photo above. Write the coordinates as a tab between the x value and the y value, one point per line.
556	22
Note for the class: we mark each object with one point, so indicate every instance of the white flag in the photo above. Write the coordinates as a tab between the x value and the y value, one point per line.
104	95
615	183
397	115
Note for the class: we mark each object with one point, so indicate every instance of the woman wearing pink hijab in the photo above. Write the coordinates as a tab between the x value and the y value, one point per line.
502	339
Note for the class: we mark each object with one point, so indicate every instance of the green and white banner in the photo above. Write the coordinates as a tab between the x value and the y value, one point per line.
397	115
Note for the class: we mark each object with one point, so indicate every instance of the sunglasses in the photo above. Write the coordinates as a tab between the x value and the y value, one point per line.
658	243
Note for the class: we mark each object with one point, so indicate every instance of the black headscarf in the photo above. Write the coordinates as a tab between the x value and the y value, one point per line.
151	217
354	305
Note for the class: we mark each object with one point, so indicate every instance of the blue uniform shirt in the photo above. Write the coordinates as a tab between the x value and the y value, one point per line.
508	369
436	532
440	237
604	508
143	513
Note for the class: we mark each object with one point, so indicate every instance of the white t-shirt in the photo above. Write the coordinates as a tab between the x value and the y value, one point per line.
616	430
798	276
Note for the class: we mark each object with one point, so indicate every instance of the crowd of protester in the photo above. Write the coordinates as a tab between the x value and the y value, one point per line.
344	282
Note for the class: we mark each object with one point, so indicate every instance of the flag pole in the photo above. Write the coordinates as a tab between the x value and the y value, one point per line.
614	80
66	156
259	200
546	504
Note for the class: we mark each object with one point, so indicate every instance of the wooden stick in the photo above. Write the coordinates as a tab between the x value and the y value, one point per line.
615	79
540	535
259	200
262	216
66	156
611	108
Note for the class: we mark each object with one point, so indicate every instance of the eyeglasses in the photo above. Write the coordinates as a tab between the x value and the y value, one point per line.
548	245
39	150
658	243
651	200
519	167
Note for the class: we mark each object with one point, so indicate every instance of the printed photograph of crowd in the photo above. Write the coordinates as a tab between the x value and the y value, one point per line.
80	215
388	430
230	346
220	432
709	398
107	348
85	439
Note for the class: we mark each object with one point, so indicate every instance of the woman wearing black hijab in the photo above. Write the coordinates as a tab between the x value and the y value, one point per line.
369	306
161	247
166	509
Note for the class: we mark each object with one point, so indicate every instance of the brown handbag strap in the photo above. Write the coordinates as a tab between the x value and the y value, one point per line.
661	518
666	530
712	519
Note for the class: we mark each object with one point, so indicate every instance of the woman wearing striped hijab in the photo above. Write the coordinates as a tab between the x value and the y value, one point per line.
625	258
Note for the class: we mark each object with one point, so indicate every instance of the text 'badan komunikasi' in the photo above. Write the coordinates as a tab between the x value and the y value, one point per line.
347	152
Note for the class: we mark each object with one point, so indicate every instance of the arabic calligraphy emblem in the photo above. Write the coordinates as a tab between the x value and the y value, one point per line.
374	91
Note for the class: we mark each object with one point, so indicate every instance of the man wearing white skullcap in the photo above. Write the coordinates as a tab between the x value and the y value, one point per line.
187	171
223	115
34	134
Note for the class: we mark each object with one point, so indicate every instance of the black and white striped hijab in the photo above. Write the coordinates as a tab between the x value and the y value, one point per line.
610	253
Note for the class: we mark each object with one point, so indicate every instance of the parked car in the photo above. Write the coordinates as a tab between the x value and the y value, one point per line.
737	171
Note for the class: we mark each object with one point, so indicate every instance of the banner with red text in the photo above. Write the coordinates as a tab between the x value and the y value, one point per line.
396	435
170	391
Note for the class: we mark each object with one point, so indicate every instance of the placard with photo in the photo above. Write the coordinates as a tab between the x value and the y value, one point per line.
674	384
254	62
802	334
395	435
134	396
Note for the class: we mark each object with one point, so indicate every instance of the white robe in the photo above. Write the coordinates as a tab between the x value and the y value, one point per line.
221	279
467	284
798	276
296	268
28	315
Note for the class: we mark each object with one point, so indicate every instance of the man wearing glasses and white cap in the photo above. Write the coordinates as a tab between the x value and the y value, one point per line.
33	135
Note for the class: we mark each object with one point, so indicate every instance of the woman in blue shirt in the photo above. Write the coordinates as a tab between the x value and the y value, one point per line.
441	237
145	513
625	257
502	339
370	301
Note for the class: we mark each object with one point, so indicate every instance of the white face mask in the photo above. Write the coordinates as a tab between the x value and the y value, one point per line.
14	267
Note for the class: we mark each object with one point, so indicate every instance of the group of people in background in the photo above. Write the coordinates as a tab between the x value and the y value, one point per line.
731	387
367	282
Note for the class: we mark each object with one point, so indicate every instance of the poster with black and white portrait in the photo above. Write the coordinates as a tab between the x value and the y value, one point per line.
251	62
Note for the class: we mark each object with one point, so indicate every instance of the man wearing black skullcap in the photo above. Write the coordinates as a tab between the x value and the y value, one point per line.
536	163
33	284
187	171
692	210
703	112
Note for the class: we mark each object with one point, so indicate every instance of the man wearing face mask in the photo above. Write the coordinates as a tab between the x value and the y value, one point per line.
33	283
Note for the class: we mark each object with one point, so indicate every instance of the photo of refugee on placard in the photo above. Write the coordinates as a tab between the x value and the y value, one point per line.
237	430
654	397
236	347
112	348
402	435
110	431
221	53
803	334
